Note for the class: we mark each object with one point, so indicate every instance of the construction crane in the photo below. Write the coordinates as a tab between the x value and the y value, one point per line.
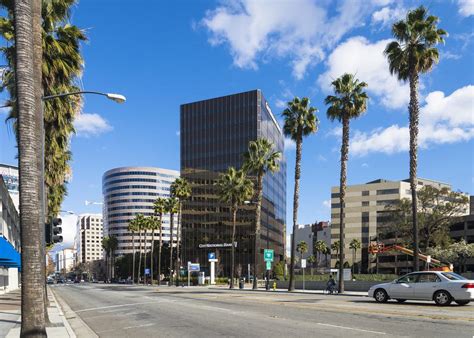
376	248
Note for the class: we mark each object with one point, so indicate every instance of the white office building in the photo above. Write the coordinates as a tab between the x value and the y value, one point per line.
88	239
129	191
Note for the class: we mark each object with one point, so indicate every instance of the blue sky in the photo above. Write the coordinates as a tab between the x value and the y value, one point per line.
162	54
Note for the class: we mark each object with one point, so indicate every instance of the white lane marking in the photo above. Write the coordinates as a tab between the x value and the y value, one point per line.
114	306
137	326
350	328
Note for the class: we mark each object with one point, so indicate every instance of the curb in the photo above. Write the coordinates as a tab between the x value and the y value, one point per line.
73	323
308	292
68	327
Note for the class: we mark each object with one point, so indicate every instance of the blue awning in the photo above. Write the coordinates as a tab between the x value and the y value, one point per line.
9	257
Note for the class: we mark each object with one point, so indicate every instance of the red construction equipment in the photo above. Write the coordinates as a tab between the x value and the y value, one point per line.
436	265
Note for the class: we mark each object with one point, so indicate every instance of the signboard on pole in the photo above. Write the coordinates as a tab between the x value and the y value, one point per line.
211	256
269	265
428	259
303	263
147	272
194	267
268	255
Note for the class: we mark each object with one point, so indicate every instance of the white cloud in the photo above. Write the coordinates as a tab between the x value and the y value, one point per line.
466	7
88	125
388	15
178	133
280	103
321	158
443	119
368	62
336	132
327	204
364	165
299	29
4	110
289	144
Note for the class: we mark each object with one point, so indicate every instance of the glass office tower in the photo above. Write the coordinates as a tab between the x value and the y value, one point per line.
214	136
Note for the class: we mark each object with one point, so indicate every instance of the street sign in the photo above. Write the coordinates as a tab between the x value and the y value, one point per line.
268	255
303	263
428	259
211	256
147	272
269	265
194	267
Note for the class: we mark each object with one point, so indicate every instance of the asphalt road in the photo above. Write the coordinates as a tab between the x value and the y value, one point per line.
138	311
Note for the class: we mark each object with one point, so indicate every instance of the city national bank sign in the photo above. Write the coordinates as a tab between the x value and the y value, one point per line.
216	245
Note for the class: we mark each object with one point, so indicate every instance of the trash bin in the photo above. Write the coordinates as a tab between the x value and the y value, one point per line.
241	283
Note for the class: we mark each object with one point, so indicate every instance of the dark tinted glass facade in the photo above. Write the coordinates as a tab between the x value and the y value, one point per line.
214	136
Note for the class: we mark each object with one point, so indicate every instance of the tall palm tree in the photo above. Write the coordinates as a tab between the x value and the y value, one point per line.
326	253
349	102
133	227
29	140
140	220
311	261
113	244
153	224
354	245
145	228
61	69
160	209
172	209
234	188
302	248
319	247
260	159
106	248
335	246
300	121
181	190
413	53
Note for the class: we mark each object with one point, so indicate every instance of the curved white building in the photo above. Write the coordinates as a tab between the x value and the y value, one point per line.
129	191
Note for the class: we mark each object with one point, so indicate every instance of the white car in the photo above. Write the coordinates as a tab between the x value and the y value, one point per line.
439	286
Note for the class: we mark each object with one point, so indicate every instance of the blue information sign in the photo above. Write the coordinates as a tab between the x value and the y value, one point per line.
147	271
211	255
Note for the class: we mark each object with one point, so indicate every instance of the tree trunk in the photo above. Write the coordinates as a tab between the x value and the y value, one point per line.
414	117
232	264
342	195
178	233
171	249
144	261
159	249
257	229
133	257
29	148
139	255
152	253
299	145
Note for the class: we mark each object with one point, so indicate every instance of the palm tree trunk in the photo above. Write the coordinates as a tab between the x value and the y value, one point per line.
139	255
159	249
144	261
342	195
299	144
178	233
152	253
29	147
258	212
133	257
414	117
232	264
171	248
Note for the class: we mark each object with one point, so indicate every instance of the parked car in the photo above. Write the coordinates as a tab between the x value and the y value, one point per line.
438	286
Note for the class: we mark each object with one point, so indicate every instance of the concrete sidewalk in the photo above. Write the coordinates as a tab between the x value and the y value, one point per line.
10	318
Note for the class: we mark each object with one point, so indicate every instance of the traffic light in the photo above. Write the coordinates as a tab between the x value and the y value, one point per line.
53	231
56	230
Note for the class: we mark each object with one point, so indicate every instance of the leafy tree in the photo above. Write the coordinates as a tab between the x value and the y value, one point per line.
411	54
457	253
349	102
181	190
61	69
234	188
319	247
302	248
160	209
300	121
260	159
106	248
279	268
354	245
437	209
172	209
335	246
311	261
113	244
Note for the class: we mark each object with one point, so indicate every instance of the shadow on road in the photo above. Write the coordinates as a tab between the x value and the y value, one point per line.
409	303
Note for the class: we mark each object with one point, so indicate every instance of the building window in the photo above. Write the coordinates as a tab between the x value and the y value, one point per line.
335	195
365	193
365	217
388	191
365	203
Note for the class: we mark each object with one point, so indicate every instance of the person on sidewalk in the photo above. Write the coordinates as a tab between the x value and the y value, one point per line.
331	285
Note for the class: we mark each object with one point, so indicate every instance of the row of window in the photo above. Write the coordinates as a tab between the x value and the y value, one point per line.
137	193
126	187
